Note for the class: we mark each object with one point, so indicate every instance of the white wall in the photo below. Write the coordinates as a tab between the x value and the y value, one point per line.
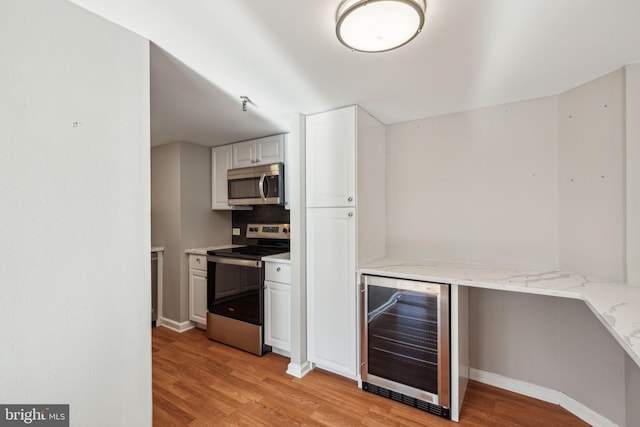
201	226
181	218
296	160
632	372
550	342
539	183
592	178
632	145
477	186
371	182
165	222
74	196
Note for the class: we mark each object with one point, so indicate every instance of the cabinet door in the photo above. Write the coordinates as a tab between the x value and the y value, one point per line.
270	149
331	158
331	290
244	154
198	296
277	315
220	163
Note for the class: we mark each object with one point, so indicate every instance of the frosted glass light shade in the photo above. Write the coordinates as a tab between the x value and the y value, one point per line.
379	25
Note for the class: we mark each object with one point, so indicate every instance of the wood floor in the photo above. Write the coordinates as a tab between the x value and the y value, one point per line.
198	382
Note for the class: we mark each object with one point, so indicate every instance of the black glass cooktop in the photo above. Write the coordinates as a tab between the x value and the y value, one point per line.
249	252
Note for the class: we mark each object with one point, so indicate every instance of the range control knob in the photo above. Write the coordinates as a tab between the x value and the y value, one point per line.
285	230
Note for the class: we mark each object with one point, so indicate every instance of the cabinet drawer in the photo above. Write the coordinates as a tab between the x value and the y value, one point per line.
198	262
277	272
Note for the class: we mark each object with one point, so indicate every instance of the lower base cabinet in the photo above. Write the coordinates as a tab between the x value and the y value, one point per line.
277	305
198	290
332	290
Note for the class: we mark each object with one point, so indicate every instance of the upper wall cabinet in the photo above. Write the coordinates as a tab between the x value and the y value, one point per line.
271	149
220	164
331	159
258	151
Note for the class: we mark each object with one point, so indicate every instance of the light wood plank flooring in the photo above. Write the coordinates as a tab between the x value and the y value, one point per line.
198	382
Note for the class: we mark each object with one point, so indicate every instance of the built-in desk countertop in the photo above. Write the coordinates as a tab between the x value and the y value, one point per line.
616	305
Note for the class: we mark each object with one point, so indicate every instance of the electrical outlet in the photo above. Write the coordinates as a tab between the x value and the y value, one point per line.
235	231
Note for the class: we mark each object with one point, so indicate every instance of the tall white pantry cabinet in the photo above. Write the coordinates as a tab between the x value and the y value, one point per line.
345	227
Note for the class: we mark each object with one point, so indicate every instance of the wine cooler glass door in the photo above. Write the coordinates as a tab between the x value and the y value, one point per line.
405	344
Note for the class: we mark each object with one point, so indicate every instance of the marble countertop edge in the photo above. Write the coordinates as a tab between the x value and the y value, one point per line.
616	305
284	258
203	250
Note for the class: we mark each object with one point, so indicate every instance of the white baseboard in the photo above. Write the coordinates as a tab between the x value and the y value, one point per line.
584	413
281	352
299	371
542	393
173	325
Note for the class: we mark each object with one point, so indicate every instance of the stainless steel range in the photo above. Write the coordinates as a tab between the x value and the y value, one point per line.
235	293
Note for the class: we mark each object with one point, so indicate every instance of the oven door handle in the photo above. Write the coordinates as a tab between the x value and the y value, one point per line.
234	261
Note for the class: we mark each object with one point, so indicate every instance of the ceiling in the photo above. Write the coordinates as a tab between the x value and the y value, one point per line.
283	55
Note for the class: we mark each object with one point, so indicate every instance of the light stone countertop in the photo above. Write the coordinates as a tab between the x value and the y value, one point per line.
616	305
203	251
283	258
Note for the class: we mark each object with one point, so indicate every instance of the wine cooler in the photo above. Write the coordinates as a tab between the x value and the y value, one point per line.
405	342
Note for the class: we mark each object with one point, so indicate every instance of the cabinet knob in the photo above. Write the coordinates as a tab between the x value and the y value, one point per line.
350	199
278	269
350	214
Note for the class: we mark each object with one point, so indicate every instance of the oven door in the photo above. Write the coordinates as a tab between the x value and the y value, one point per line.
234	288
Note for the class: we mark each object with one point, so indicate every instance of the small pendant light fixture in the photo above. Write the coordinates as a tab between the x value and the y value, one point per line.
379	25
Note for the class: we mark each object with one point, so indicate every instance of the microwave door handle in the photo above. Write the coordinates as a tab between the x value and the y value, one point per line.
261	187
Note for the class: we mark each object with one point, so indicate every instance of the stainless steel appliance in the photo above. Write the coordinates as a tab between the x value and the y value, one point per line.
256	185
405	342
235	293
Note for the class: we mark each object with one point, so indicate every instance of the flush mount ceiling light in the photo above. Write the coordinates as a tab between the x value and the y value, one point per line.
379	25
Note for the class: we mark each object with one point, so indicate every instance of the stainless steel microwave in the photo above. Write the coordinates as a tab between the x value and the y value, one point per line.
256	185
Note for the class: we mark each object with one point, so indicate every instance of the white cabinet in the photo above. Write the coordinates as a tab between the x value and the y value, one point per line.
332	290
198	290
258	151
331	158
338	146
270	149
277	305
221	158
